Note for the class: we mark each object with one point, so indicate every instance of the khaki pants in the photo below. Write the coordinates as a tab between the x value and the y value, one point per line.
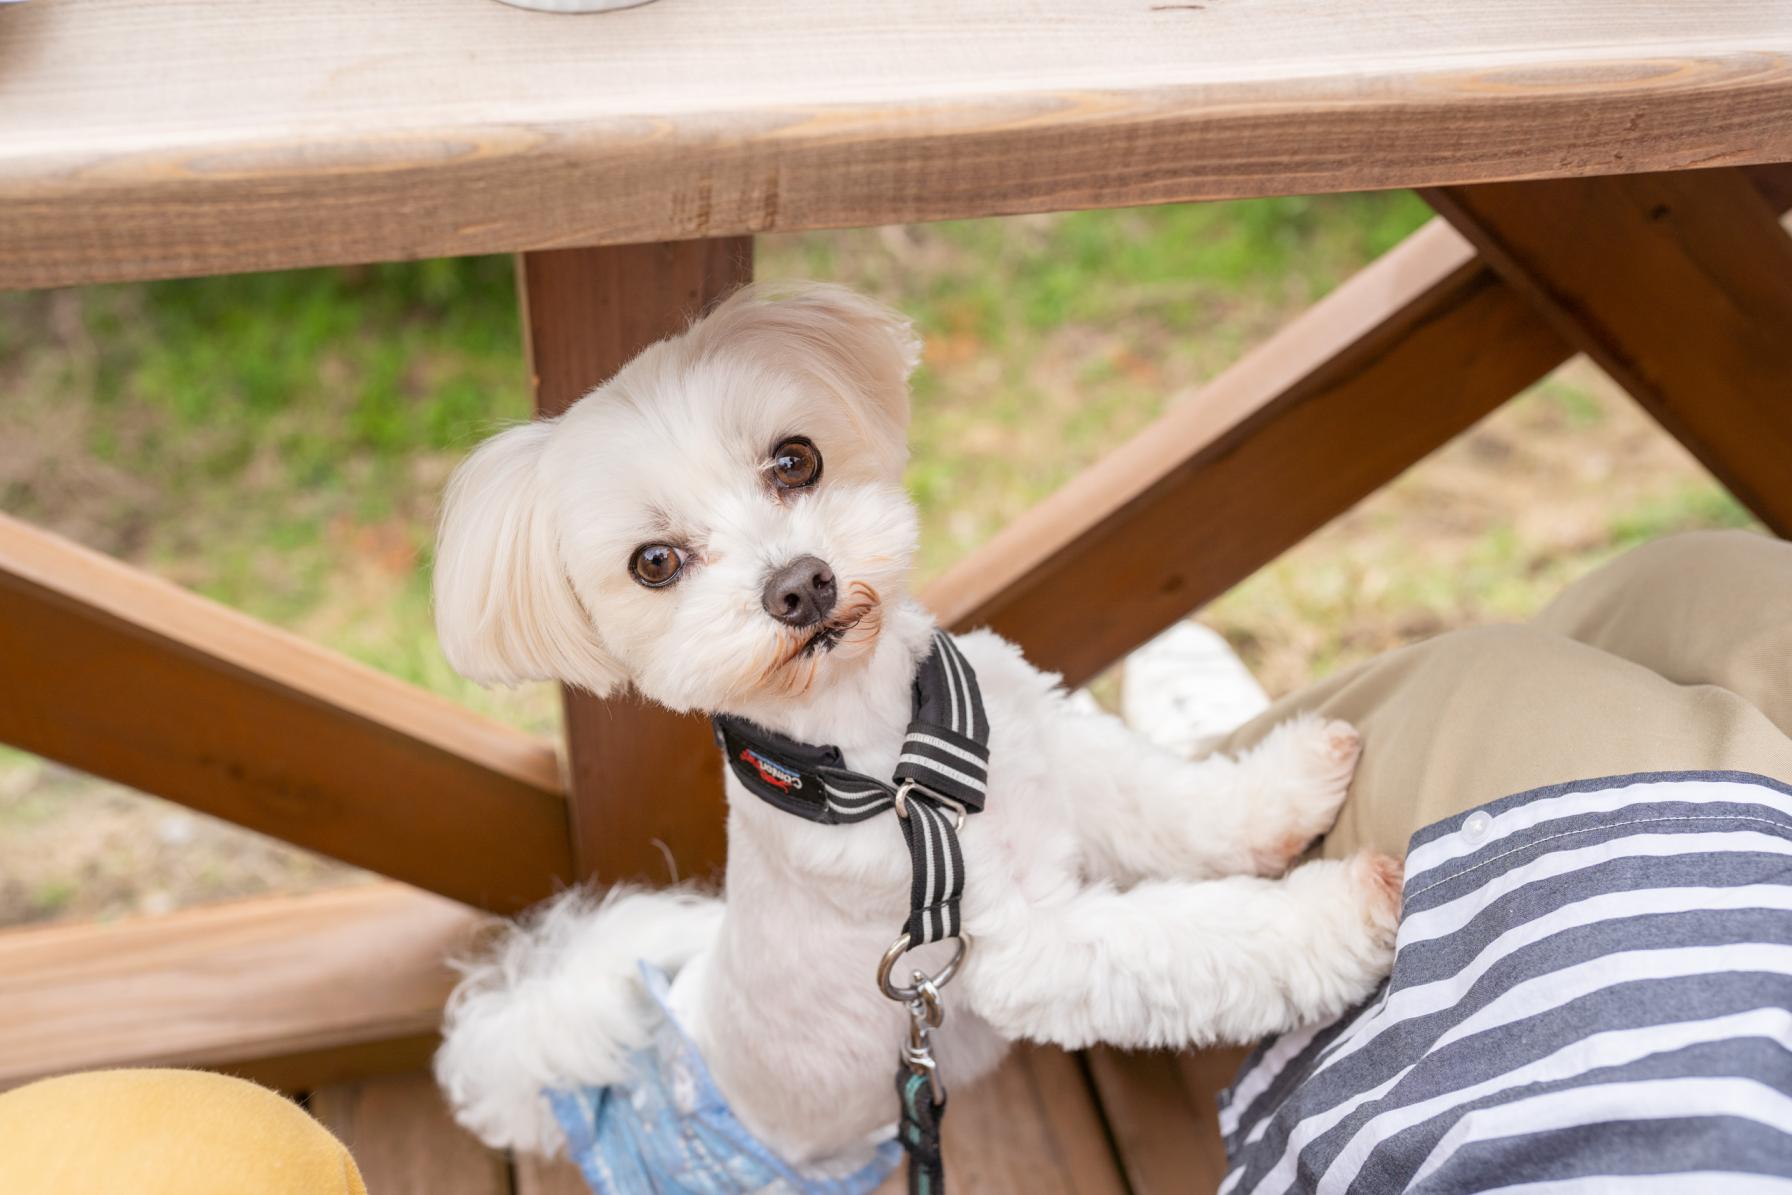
1675	657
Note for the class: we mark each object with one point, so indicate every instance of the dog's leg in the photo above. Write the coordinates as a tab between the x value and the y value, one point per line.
556	1001
1171	963
1143	813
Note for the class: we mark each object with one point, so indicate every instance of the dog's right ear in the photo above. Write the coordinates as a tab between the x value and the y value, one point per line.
505	611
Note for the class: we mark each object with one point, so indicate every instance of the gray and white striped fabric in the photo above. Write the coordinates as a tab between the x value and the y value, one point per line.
1592	993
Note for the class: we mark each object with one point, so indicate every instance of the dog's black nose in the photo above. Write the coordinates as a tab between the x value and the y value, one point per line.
801	593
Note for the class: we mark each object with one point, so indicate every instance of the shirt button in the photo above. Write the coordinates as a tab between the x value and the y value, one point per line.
1476	825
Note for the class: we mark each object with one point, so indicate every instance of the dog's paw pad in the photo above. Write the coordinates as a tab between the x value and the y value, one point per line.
1379	879
1341	742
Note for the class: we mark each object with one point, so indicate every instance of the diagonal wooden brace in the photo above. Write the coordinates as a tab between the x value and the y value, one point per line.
123	675
1376	375
1679	286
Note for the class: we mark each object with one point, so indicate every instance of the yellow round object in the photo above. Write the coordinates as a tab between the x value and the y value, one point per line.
165	1132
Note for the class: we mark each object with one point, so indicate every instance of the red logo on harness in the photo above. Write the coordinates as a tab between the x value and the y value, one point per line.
771	772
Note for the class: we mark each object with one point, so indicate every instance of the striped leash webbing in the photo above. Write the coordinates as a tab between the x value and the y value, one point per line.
941	776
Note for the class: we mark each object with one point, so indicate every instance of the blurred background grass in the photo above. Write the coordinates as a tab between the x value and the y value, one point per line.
278	442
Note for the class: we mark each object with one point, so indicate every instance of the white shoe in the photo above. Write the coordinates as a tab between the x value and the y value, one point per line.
1187	688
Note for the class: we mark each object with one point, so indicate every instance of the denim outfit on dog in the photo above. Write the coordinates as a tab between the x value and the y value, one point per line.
668	1131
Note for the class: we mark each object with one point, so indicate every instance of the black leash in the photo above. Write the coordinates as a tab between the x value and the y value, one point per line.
941	777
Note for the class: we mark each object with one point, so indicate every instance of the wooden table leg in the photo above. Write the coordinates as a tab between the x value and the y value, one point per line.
1680	287
645	789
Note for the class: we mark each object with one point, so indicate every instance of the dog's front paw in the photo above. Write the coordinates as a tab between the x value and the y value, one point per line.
1302	772
1378	879
1355	909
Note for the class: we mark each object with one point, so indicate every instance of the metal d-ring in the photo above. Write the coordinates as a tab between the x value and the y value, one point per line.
901	801
897	949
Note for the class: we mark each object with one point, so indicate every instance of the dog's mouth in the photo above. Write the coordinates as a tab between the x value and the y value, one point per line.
855	625
825	638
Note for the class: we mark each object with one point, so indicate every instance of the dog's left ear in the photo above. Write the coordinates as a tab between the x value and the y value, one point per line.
505	610
858	348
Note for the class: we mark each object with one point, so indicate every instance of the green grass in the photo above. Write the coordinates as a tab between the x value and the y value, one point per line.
1684	508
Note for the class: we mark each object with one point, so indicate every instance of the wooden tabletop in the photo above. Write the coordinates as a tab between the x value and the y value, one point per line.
203	136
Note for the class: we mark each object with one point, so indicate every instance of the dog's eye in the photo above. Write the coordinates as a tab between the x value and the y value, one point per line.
654	565
796	463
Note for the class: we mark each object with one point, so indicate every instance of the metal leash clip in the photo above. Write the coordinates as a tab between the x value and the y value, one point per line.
925	1014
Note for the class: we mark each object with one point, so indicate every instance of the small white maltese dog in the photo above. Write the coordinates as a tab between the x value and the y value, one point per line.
723	526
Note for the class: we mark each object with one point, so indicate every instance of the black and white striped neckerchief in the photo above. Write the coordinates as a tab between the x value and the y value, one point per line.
944	768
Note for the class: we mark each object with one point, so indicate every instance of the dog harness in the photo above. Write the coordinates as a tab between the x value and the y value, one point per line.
941	777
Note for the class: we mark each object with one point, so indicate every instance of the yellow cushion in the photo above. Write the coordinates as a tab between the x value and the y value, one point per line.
165	1132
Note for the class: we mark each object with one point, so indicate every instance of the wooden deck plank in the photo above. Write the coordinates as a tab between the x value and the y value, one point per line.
1680	287
227	135
289	990
536	1176
405	1143
1030	1128
122	675
587	312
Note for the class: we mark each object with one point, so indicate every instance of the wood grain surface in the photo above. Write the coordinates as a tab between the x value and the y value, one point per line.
646	784
404	1141
285	989
118	673
209	136
1030	1128
1680	287
541	1176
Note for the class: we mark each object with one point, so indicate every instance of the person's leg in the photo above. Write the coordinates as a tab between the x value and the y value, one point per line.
165	1132
1476	715
1704	608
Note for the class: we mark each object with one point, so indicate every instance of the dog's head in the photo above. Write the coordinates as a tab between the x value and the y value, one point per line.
721	523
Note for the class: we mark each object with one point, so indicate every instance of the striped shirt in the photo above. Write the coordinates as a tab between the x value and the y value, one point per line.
1592	992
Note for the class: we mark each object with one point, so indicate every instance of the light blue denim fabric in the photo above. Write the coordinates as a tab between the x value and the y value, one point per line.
667	1131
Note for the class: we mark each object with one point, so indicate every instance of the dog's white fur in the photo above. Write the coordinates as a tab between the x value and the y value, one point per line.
1115	892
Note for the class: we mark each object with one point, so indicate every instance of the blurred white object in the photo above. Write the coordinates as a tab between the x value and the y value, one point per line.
175	830
1187	688
575	5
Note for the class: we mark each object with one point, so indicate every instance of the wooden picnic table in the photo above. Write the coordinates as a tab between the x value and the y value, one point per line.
1609	175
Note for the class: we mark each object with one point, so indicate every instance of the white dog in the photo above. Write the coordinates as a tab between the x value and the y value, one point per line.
723	526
